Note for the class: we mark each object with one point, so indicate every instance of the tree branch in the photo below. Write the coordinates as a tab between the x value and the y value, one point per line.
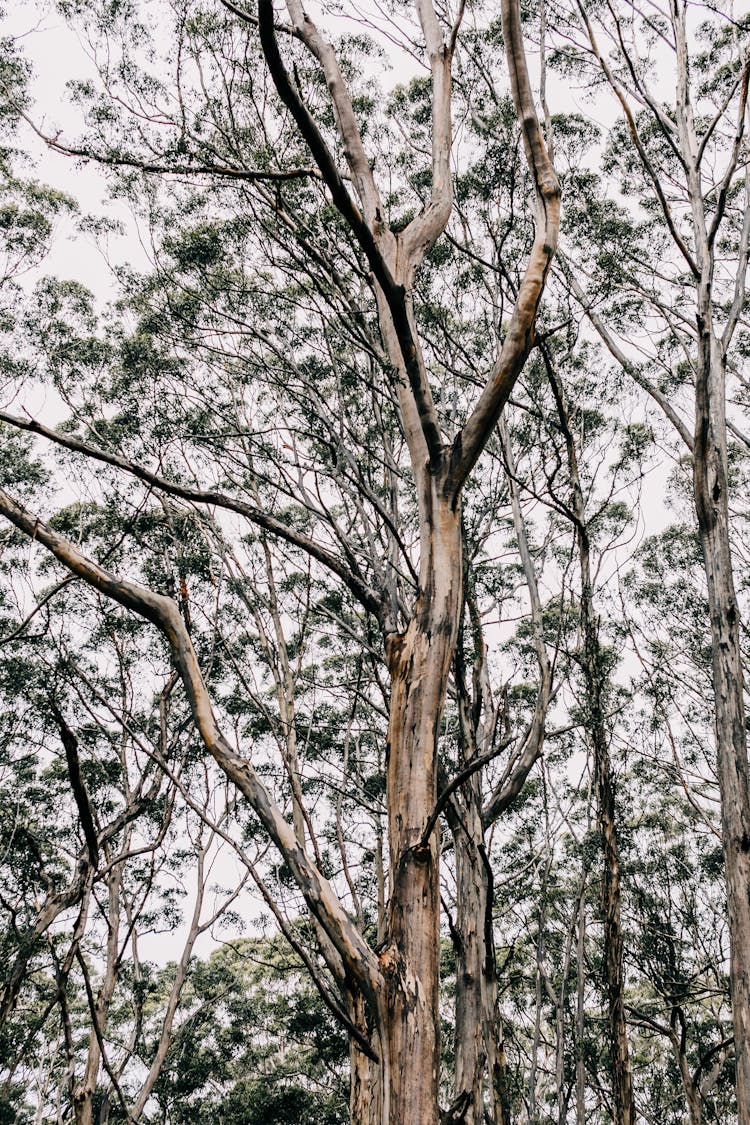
519	338
111	160
640	147
70	743
424	229
618	354
163	612
455	783
393	292
371	599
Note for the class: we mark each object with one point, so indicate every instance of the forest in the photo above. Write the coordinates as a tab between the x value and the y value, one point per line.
374	562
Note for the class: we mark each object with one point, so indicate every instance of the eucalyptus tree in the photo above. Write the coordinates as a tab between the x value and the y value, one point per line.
590	473
413	592
686	977
277	431
606	520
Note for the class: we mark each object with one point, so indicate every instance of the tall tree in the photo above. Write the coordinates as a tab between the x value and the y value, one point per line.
391	992
682	157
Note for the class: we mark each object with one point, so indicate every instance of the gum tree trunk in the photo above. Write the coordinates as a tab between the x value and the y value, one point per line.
611	895
391	993
712	509
366	1082
480	1057
418	660
622	1080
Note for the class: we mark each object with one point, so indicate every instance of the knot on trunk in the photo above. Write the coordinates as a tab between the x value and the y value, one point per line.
393	968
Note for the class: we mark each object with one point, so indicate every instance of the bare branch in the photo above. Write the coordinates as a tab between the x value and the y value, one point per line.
70	743
426	228
369	598
617	353
509	787
393	292
346	121
114	160
519	337
456	782
640	147
726	181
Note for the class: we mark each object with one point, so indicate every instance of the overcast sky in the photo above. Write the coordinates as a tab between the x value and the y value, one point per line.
57	55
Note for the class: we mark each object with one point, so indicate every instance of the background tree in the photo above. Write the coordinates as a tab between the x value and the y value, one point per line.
682	158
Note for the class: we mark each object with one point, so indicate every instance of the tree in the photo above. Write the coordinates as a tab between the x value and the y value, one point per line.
391	994
682	158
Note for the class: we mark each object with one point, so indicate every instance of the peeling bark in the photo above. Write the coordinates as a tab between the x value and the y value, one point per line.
419	661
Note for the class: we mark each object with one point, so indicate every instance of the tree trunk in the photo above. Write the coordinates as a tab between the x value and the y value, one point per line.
595	678
692	1091
83	1094
418	660
563	1096
480	1086
366	1076
622	1082
712	509
471	908
581	1013
594	675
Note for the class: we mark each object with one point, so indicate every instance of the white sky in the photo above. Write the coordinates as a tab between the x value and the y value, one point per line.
57	55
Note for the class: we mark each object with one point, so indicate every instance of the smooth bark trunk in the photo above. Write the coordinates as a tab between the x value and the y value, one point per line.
595	678
611	894
83	1093
712	509
581	1012
471	909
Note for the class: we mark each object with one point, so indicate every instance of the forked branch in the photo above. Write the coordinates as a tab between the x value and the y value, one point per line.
519	337
394	292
